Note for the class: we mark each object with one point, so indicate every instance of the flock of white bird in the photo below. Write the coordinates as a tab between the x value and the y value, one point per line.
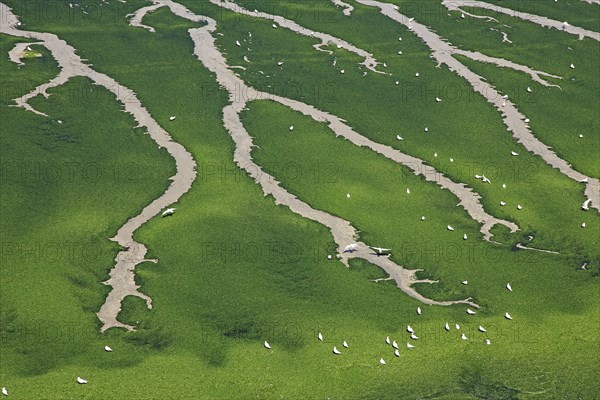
382	251
411	332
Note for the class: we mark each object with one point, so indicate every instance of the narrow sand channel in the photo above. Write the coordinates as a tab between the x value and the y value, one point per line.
455	5
347	7
343	232
369	60
468	199
71	65
443	52
16	53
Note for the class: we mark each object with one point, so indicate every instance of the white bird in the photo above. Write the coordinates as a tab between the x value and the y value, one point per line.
457	326
580	136
410	346
565	24
380	250
172	118
463	336
451	159
81	381
478	176
329	256
350	248
168	211
336	351
347	195
342	71
320	336
488	341
470	312
237	43
398	137
409	329
447	327
387	339
345	344
435	154
426	129
274	26
465	236
529	89
417	74
423	218
419	310
411	19
504	186
381	361
397	82
438	100
413	336
280	63
292	128
583	225
400	52
397	353
514	153
267	345
526	120
502	203
482	329
519	207
486	180
465	282
507	316
584	180
394	344
108	349
509	287
586	205
4	391
450	228
407	191
572	66
462	16
400	39
246	59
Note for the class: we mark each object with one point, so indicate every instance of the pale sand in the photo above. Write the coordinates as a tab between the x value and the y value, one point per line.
468	199
455	5
369	61
443	52
347	7
505	38
342	231
138	15
522	247
16	53
122	275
